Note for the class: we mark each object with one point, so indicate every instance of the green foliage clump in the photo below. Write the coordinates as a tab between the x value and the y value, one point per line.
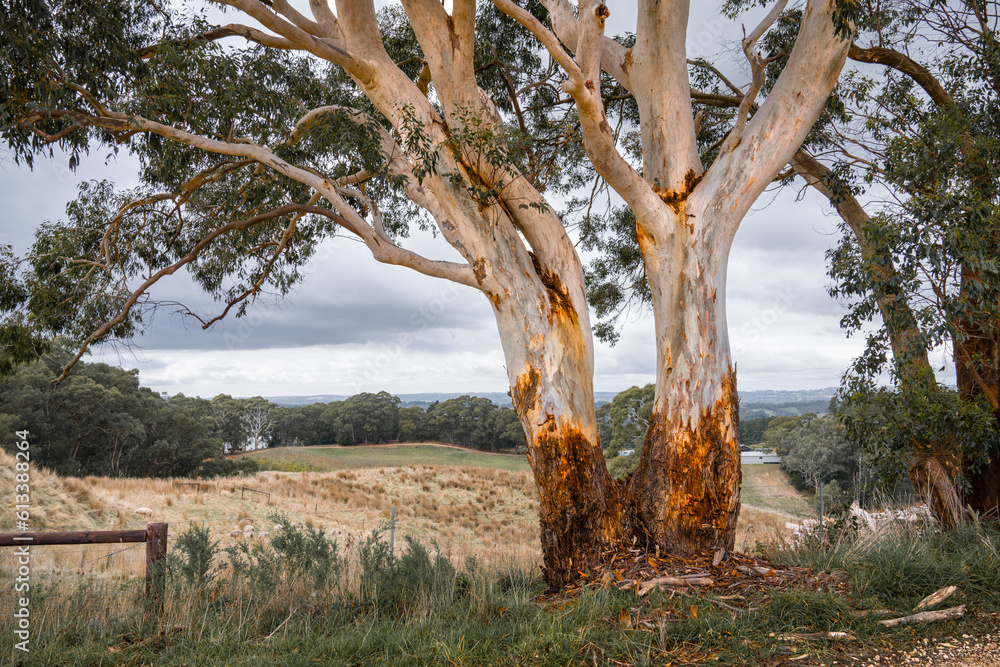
813	450
296	558
892	427
628	417
397	585
193	558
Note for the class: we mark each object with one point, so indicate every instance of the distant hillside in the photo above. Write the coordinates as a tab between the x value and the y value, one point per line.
778	401
782	397
501	399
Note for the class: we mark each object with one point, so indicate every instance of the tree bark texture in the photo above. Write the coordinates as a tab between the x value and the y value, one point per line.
977	363
685	491
934	482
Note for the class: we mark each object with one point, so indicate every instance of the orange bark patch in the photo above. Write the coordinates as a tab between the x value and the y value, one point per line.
479	270
581	512
686	489
525	391
560	304
676	198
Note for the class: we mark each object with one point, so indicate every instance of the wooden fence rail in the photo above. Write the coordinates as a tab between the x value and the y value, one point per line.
155	537
263	493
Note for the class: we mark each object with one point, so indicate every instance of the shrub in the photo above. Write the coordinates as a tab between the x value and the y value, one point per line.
193	557
398	585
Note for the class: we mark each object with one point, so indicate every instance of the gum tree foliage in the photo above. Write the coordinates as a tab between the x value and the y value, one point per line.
813	450
364	418
924	261
472	421
461	120
245	423
628	413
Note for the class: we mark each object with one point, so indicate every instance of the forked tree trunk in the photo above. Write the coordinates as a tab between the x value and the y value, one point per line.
686	488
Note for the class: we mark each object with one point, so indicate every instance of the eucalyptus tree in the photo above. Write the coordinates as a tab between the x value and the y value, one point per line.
362	123
919	117
686	214
917	114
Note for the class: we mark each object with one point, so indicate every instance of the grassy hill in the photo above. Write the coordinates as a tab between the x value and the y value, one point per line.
332	457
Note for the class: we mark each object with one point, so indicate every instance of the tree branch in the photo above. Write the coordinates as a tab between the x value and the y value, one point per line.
548	40
904	64
229	30
614	56
774	133
326	48
758	68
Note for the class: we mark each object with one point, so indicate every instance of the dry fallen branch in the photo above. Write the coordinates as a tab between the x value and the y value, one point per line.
926	617
646	586
805	636
935	598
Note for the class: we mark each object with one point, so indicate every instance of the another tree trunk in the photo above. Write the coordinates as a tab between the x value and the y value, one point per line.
977	364
936	486
686	489
549	356
934	483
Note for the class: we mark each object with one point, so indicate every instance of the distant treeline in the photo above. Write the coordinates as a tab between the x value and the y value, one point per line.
100	421
366	418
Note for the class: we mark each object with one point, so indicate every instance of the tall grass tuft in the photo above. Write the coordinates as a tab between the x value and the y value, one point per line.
901	564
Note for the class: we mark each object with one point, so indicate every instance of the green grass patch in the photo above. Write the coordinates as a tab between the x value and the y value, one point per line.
285	465
902	565
330	457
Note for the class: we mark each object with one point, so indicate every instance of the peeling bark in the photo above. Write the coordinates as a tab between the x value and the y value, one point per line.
581	511
686	489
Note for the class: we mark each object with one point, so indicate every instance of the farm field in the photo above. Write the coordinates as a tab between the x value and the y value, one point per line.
488	612
766	487
486	512
335	457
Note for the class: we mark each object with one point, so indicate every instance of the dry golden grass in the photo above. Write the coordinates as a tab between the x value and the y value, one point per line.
487	513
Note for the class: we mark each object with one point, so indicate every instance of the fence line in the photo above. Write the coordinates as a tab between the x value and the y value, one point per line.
155	537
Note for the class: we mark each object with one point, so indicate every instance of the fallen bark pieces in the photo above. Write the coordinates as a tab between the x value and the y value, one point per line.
935	598
926	617
757	569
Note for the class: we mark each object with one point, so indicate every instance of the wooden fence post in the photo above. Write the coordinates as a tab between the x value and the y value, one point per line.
156	553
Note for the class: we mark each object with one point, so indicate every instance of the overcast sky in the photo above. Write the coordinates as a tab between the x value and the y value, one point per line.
356	325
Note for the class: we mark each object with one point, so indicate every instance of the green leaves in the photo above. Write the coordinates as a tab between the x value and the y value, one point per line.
890	428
